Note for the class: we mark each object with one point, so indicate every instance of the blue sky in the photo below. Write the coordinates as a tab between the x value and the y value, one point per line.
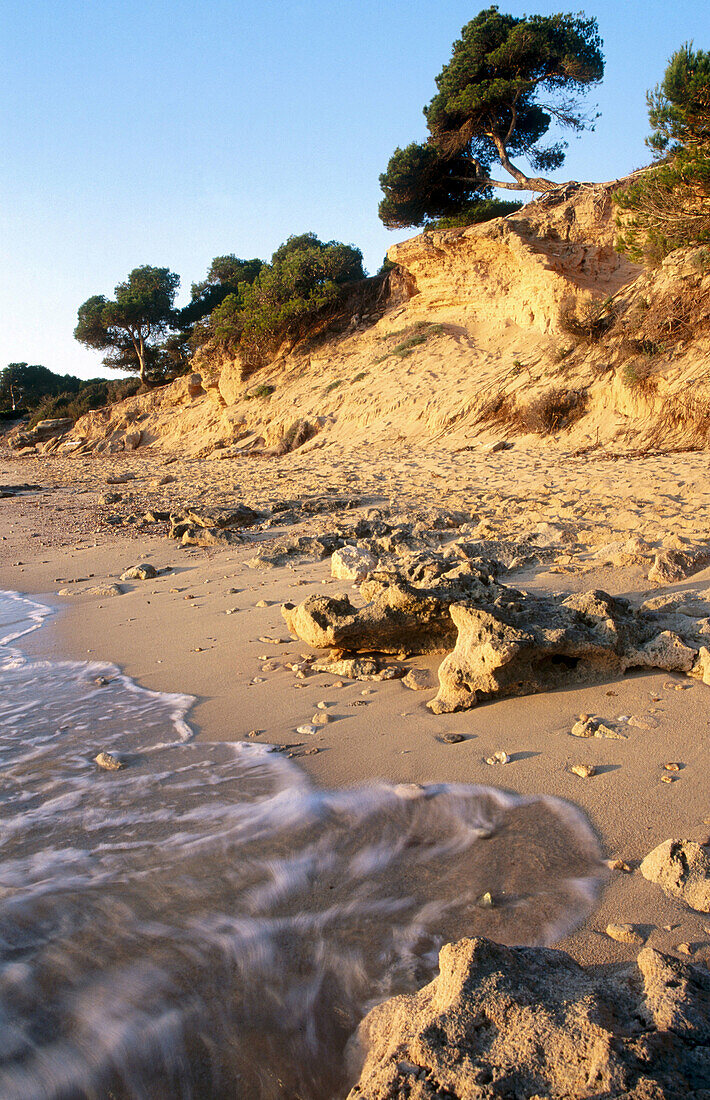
147	131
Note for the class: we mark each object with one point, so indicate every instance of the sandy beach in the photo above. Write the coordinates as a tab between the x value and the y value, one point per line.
210	625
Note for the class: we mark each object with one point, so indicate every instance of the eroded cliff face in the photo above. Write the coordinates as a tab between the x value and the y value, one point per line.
472	347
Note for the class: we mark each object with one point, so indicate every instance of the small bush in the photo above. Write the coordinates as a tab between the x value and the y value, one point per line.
333	386
588	323
414	336
637	374
359	377
551	411
259	391
483	210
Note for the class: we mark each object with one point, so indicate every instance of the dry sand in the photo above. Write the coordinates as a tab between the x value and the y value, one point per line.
197	627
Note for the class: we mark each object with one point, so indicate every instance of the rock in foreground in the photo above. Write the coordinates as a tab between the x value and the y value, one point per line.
528	1022
682	869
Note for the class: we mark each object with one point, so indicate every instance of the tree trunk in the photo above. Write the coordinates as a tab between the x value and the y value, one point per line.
525	183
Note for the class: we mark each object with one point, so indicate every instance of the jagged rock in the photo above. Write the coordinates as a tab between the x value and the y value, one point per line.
398	618
624	933
133	440
351	563
523	644
682	869
108	762
240	516
143	572
194	386
595	727
526	1023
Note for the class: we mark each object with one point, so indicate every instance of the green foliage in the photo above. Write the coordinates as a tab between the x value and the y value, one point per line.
94	394
679	107
336	384
260	391
305	276
223	278
475	212
668	206
507	79
129	327
414	337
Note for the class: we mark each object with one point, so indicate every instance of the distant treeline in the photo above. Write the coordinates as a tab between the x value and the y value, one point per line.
31	390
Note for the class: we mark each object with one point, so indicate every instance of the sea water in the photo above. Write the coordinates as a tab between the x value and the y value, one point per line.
204	922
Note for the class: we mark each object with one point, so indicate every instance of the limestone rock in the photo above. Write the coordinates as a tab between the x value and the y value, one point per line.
595	727
105	590
525	1022
624	933
670	566
143	572
522	644
351	563
418	679
682	869
357	668
108	762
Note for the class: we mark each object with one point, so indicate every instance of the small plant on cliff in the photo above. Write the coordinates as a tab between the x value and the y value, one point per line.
668	206
587	322
507	79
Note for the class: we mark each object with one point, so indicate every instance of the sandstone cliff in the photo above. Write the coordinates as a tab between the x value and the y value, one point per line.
530	324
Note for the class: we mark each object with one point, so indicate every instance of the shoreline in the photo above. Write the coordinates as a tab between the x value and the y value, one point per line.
168	642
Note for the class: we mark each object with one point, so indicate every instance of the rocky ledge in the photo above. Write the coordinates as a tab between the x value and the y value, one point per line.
524	1023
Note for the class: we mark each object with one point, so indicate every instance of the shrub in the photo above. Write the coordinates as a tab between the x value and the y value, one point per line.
476	213
305	277
551	411
259	391
587	323
668	206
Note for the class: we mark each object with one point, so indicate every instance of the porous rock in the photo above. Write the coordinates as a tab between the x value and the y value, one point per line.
351	563
526	1022
682	869
524	644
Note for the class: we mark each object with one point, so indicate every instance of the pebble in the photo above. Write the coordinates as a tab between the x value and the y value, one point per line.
320	719
108	761
261	603
618	865
498	758
672	766
668	778
452	738
485	901
684	948
624	933
323	705
584	771
308	730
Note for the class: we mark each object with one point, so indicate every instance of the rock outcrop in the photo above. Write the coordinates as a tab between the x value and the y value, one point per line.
503	642
526	1023
526	644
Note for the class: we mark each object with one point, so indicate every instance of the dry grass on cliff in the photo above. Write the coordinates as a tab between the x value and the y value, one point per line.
554	410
